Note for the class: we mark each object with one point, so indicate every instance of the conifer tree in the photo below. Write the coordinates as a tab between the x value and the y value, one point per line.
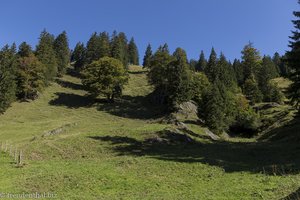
277	62
293	59
211	70
133	54
213	109
79	56
147	57
251	61
93	48
7	77
239	71
157	74
46	54
224	72
119	49
124	48
104	45
251	90
61	47
24	50
179	78
202	63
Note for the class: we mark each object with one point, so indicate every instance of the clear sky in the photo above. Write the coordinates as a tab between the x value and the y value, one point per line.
194	25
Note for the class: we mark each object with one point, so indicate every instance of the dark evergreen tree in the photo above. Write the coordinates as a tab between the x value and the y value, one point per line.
147	57
124	48
79	56
251	61
213	109
179	78
293	59
277	60
24	50
104	45
239	71
193	64
61	47
225	73
133	54
7	77
202	63
157	75
211	69
251	90
93	49
46	54
119	48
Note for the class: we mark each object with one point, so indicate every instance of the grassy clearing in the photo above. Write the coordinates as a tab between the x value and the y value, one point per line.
107	151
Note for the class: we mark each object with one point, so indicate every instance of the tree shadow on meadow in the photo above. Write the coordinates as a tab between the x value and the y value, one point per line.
71	100
262	157
133	107
70	85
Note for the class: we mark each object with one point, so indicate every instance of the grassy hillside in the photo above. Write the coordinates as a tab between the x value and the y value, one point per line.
120	151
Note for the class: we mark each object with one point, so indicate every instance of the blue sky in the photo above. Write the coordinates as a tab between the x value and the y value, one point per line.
194	25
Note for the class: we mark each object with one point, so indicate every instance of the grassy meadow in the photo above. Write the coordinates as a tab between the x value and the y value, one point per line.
111	151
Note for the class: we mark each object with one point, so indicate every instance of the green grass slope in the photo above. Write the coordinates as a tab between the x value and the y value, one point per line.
120	151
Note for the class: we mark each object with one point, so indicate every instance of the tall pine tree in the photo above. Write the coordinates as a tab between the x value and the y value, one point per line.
202	63
133	54
79	56
293	59
7	77
46	54
61	47
147	57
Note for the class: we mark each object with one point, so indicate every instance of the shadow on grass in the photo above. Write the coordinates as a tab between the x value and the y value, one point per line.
264	157
67	84
133	107
73	72
71	100
293	196
289	132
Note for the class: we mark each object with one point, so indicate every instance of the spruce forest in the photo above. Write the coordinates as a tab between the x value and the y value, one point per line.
104	120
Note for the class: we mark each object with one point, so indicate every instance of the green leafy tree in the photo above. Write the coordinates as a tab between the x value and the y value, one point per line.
147	57
61	47
46	54
106	76
293	59
30	77
7	77
79	56
133	54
